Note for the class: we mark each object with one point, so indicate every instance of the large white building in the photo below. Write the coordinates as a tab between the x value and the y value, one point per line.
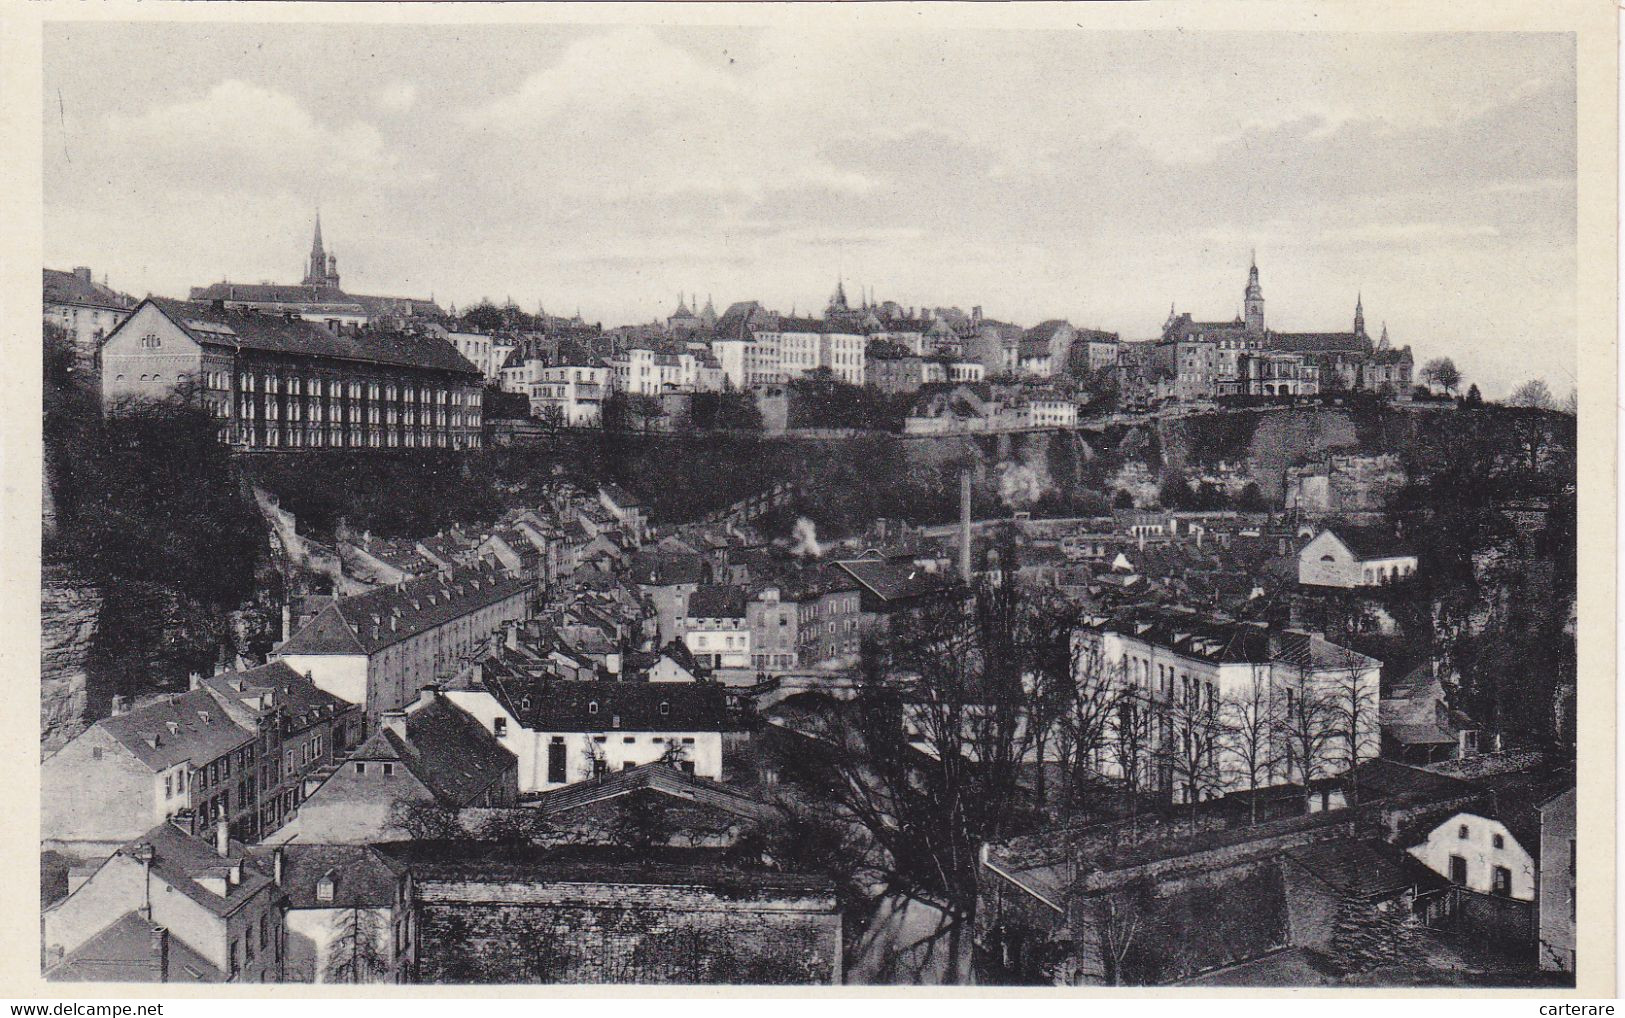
1193	676
566	731
575	391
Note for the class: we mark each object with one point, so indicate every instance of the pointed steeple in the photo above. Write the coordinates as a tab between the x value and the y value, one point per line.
1253	302
1382	344
1359	314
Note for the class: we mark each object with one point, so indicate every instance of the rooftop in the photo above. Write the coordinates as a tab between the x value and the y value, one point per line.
186	727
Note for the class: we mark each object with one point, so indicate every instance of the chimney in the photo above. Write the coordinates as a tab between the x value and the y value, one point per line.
278	858
82	273
222	835
160	951
395	721
964	524
121	704
194	680
143	855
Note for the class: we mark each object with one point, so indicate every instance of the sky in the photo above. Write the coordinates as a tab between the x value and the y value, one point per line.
1094	176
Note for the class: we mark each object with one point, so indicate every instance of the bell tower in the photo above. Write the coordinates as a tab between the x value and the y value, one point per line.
1253	314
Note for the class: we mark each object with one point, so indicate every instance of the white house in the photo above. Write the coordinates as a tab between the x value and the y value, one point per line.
716	630
564	732
576	391
1355	557
336	894
1481	854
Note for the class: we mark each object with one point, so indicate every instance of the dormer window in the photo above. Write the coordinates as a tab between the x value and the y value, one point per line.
326	888
592	707
665	708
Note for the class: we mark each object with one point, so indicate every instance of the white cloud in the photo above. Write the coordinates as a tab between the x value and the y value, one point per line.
397	97
243	133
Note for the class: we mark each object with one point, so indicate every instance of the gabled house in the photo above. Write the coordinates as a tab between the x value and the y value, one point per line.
564	732
212	899
432	752
182	754
336	894
1347	556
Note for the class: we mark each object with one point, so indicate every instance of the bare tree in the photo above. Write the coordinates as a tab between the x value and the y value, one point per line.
1249	723
424	820
1118	923
1133	741
1533	394
1307	725
1351	692
1083	715
1442	371
356	954
1188	752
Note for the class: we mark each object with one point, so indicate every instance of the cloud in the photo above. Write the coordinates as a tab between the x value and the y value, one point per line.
242	134
397	97
627	112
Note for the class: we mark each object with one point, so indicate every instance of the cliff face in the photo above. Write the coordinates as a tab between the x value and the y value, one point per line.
69	612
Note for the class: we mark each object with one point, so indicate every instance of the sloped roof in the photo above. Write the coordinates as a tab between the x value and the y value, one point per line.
126	952
362	876
367	623
67	288
1372	542
717	601
735	322
300	699
184	727
1319	342
891	581
655	777
285	334
445	748
564	706
665	569
181	861
1365	869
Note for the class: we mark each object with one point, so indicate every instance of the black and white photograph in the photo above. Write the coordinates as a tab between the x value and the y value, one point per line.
815	497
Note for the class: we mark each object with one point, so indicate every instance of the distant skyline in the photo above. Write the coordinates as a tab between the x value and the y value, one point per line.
1092	176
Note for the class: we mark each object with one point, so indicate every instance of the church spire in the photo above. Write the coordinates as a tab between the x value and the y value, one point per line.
323	268
1382	344
1253	300
1359	314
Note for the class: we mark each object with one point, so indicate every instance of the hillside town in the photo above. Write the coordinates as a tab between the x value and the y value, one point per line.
1191	662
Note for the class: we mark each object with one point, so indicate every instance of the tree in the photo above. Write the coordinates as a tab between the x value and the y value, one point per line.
521	826
1187	750
1474	398
1532	394
1083	711
1352	710
356	953
1442	371
424	820
1307	722
1249	725
1119	922
1571	403
640	821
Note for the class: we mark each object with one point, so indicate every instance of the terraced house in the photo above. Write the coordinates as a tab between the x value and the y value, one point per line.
277	381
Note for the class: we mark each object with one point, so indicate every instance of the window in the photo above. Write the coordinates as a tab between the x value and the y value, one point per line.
360	768
499	727
235	968
1458	870
665	707
630	739
1462	832
1498	841
592	707
96	753
1501	881
326	887
389	769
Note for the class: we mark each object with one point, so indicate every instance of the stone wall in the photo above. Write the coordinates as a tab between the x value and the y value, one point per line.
539	932
69	610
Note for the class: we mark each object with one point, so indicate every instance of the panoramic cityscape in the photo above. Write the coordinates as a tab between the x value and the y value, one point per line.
906	599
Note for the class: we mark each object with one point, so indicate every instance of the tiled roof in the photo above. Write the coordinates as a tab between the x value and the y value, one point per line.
301	701
285	334
181	861
717	601
1319	342
619	495
736	322
565	706
362	876
185	727
452	754
1372	543
788	324
127	952
367	623
893	582
67	288
658	569
1366	870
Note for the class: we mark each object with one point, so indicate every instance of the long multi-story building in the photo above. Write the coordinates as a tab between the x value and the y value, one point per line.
575	392
380	648
1217	684
280	382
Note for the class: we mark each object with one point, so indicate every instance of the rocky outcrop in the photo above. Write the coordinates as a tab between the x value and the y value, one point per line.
69	612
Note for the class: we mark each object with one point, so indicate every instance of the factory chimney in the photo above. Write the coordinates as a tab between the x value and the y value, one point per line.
964	524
